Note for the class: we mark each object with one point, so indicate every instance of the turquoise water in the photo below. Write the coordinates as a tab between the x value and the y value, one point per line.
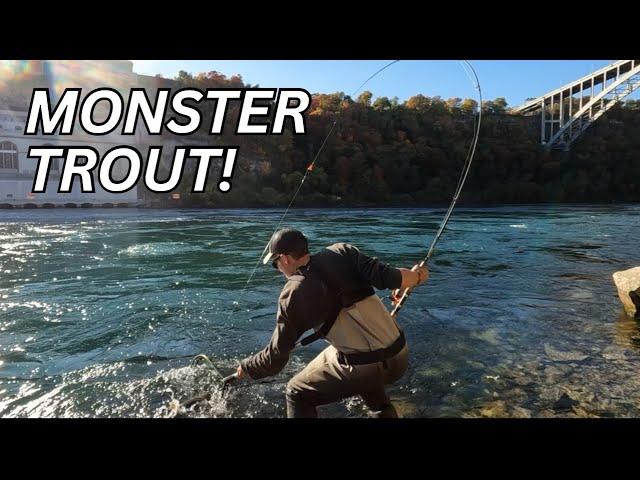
102	310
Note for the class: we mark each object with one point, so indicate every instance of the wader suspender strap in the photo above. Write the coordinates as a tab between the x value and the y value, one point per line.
324	329
340	304
359	358
332	315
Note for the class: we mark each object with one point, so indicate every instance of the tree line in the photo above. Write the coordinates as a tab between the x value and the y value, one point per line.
389	153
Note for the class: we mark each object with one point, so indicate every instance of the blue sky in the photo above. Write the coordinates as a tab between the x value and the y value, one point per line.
513	79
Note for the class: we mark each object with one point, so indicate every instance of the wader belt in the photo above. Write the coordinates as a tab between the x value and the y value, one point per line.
381	355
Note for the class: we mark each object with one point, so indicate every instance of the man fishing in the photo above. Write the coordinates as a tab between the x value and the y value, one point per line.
332	293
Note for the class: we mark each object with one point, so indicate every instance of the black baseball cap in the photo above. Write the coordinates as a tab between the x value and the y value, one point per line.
286	241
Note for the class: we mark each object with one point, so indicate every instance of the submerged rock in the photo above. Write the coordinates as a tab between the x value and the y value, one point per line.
583	413
478	365
614	353
564	356
520	412
547	414
490	336
550	393
628	281
516	395
522	380
404	407
497	408
553	371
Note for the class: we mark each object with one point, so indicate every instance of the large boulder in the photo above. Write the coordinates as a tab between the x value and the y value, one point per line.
628	284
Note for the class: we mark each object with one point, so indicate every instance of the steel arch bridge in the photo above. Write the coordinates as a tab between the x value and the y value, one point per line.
566	112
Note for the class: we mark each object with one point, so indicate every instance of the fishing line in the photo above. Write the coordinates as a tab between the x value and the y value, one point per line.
304	177
471	73
203	358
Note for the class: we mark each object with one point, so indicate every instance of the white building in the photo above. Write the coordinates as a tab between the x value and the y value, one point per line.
17	171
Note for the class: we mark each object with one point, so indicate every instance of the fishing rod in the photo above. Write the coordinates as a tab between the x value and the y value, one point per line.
463	177
228	380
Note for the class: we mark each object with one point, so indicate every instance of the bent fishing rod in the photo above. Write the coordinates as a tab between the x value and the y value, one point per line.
226	381
463	177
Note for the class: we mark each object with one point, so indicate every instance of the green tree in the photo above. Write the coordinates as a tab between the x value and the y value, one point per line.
382	103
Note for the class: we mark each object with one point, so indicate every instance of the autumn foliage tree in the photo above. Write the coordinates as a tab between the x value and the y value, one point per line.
389	153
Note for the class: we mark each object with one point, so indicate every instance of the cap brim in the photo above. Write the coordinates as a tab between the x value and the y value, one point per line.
266	258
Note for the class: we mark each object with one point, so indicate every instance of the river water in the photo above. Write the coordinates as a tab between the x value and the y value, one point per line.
101	311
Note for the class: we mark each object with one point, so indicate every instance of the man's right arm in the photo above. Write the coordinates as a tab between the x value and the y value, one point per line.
384	276
374	272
